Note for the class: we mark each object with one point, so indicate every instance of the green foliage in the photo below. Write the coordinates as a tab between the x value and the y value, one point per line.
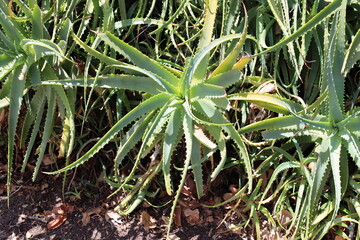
182	104
29	55
332	128
169	75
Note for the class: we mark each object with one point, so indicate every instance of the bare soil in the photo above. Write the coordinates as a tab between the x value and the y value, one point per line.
37	212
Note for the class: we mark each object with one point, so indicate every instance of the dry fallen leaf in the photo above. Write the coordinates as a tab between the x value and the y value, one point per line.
266	87
189	188
173	237
285	216
148	221
233	189
86	215
57	222
235	229
113	217
145	205
166	219
45	185
265	177
2	188
311	165
189	203
339	238
3	167
177	216
192	216
59	213
210	219
34	231
227	196
48	160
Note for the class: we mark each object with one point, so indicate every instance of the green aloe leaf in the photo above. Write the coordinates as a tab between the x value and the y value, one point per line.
132	137
172	137
7	64
220	140
11	29
17	87
322	171
145	107
39	104
138	58
282	167
197	59
206	37
48	127
204	90
68	137
225	79
136	83
352	144
334	154
206	108
333	78
37	24
352	54
313	22
285	122
268	101
197	166
353	125
188	127
228	63
43	48
102	57
286	133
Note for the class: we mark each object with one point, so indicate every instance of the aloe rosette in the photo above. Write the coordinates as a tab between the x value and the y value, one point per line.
335	131
182	105
28	55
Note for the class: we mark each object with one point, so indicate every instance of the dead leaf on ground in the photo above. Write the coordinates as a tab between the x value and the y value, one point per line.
59	213
145	205
233	188
113	217
34	231
173	237
192	216
209	219
189	188
87	215
265	177
212	201
266	88
166	219
2	188
177	216
311	165
45	185
48	160
3	167
148	221
227	196
339	238
189	203
235	229
285	216
57	222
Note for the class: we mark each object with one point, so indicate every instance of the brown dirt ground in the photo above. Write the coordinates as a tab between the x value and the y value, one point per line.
27	217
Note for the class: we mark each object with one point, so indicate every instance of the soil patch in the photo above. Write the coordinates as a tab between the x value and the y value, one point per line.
37	211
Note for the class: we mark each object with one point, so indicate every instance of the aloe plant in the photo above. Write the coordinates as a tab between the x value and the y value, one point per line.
181	104
28	56
335	130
